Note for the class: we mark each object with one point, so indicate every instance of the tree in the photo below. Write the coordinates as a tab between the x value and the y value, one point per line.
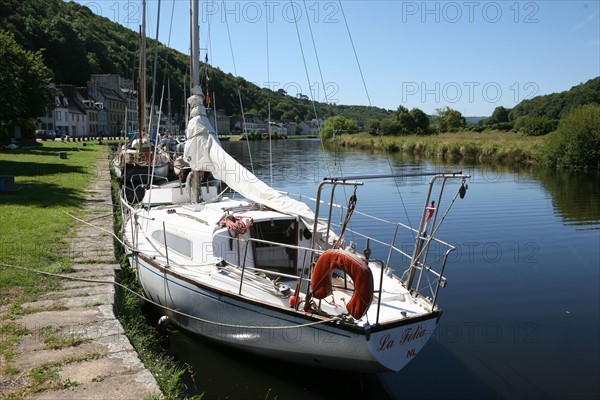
421	121
24	81
373	125
336	124
405	121
534	126
449	120
556	105
576	142
390	126
499	115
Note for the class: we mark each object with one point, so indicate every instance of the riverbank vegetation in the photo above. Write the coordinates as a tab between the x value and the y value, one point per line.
576	142
559	131
492	146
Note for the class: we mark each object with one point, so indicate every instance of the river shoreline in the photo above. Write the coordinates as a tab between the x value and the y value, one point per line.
496	147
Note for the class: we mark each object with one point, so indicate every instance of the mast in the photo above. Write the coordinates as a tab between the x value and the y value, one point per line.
195	46
153	110
185	95
142	77
169	127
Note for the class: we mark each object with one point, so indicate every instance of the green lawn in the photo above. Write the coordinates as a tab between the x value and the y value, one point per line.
33	222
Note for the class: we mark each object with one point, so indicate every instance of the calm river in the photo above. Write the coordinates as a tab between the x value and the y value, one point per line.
522	304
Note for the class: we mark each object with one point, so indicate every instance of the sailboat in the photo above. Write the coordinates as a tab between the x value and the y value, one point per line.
257	269
140	158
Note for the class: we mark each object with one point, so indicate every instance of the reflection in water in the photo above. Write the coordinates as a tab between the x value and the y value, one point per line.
222	372
575	196
520	310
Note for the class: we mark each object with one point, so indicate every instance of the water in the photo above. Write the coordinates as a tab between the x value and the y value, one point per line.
521	306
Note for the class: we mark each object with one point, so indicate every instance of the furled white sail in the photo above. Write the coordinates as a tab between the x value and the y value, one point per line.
203	152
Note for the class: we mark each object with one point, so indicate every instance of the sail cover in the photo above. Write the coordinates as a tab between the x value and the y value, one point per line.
203	152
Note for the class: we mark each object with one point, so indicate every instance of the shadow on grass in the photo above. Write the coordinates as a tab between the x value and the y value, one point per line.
42	194
48	150
33	169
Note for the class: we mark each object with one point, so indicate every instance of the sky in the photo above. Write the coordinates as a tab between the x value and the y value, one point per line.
472	56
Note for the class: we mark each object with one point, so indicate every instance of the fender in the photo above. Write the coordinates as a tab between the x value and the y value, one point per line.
356	268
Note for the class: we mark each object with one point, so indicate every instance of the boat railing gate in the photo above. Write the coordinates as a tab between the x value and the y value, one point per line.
413	249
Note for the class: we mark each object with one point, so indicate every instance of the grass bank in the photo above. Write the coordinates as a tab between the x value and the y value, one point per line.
493	146
34	228
34	233
33	222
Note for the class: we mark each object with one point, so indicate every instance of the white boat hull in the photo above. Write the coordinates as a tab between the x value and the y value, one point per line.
283	334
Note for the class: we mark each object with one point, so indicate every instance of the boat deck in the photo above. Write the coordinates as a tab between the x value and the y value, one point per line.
203	220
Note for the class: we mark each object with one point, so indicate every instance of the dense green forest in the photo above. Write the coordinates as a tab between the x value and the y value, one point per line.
78	43
541	115
556	105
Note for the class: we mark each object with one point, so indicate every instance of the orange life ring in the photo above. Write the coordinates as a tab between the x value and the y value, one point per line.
356	268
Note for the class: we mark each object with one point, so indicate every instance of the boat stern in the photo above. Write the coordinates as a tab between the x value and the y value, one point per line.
395	347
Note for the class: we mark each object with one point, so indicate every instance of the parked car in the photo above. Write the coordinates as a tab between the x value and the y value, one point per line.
45	134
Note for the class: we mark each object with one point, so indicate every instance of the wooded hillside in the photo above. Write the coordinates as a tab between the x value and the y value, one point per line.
556	105
78	43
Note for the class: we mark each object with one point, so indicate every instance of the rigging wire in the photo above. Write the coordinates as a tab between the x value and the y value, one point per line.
329	170
166	62
155	67
355	54
269	117
152	165
238	88
370	104
293	6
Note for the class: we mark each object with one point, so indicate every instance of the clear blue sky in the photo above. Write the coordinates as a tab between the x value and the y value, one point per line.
469	55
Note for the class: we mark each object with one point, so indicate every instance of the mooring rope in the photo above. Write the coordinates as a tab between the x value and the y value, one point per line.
100	228
165	308
141	296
